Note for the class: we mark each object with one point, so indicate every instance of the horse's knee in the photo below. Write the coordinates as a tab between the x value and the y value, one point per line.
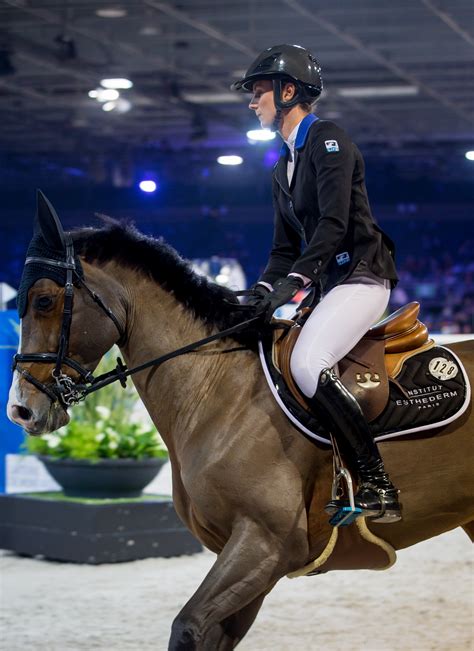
183	636
297	552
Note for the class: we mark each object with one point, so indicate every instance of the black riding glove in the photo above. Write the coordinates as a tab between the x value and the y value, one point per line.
283	291
258	296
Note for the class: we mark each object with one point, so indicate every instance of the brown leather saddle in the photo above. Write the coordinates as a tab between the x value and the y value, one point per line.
371	364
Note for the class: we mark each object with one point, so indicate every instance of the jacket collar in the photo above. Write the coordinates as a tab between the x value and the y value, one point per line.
302	134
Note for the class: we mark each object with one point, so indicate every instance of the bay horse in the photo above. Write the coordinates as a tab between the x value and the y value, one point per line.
246	483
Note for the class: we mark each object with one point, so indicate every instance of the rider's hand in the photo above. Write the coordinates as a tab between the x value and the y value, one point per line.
283	291
258	296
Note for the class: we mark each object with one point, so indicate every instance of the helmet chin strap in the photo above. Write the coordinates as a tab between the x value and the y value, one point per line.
275	126
280	104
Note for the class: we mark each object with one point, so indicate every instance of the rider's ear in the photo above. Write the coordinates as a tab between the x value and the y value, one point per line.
47	223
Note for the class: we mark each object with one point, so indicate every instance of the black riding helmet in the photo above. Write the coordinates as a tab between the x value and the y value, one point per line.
283	63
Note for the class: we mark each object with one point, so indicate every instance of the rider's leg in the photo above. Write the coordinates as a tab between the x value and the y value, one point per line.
334	327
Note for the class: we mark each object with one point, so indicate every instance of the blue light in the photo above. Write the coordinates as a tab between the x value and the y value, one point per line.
147	186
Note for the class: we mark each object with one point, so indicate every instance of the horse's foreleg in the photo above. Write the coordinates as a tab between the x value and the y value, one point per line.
227	601
232	630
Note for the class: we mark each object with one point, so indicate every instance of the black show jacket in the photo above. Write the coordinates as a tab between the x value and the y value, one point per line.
325	212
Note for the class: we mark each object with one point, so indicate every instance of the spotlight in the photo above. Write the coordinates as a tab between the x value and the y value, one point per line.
230	160
147	185
119	106
260	135
469	155
118	83
111	12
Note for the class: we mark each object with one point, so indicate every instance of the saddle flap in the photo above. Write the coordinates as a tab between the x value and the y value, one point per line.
363	373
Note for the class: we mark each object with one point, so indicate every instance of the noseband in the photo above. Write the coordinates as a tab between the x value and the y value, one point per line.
65	389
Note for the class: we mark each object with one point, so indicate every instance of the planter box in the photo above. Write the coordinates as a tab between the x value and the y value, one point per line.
93	531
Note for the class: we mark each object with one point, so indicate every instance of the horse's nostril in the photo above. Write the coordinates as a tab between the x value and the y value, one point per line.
24	413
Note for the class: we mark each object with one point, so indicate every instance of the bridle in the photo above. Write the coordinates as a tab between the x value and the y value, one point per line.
66	390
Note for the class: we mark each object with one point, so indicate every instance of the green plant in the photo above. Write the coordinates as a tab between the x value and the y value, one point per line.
103	427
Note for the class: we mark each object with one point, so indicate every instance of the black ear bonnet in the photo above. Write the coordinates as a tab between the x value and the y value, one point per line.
49	241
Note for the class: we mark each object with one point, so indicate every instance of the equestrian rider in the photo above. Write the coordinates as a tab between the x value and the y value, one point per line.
325	239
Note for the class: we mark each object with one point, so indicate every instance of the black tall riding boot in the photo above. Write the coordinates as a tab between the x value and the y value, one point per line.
340	413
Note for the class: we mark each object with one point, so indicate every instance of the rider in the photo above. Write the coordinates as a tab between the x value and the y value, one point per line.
325	239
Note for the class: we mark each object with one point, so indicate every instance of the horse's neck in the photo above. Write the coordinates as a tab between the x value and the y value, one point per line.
172	393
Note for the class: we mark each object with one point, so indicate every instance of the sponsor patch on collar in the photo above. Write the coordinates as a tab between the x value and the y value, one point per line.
331	145
342	258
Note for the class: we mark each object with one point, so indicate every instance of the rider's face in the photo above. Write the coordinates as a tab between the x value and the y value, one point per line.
262	102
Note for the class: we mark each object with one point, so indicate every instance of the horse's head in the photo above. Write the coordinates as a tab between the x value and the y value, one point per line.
66	326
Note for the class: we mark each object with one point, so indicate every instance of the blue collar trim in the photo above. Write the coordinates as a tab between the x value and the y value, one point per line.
302	134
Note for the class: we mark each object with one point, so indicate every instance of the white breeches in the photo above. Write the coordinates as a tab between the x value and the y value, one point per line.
335	326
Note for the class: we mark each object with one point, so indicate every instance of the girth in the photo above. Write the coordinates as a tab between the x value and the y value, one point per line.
374	361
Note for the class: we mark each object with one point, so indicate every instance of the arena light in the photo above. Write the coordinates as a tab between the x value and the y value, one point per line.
104	94
108	106
111	12
260	135
378	91
469	155
230	160
147	185
120	83
212	98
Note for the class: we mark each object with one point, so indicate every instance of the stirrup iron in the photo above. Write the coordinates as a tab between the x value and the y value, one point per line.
346	514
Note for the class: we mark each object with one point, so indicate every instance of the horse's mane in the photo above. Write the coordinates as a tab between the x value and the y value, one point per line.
123	243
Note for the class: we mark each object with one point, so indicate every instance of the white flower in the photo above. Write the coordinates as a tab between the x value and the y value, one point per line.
99	437
113	445
111	433
103	411
53	440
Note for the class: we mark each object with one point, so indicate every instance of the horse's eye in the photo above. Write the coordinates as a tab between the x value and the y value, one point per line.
43	302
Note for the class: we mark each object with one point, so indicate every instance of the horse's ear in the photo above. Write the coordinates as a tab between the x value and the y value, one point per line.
47	223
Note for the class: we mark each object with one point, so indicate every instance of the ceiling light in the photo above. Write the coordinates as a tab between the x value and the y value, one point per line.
104	94
212	98
111	12
230	160
119	106
260	135
469	155
119	82
147	185
378	91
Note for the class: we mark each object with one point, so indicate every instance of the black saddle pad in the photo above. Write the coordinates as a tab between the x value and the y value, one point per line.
432	390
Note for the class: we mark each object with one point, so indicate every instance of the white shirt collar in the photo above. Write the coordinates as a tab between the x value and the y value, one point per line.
290	142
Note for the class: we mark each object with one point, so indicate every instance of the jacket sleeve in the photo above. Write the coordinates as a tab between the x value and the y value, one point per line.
332	157
286	248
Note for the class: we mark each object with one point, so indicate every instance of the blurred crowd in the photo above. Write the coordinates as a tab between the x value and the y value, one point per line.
442	282
434	258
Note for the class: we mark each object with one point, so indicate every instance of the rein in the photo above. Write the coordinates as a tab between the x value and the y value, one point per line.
66	390
121	373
